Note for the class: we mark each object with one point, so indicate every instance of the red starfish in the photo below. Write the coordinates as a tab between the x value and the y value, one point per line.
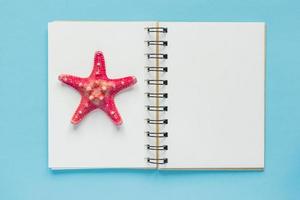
97	91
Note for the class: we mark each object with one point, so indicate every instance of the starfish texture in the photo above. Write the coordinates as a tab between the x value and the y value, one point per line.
97	91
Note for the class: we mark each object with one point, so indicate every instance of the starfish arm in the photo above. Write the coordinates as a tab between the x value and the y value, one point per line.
111	110
83	109
99	69
73	81
122	83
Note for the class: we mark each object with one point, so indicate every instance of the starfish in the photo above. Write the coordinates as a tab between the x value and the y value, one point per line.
97	91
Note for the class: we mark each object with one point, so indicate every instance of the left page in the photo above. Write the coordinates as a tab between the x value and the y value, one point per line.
96	142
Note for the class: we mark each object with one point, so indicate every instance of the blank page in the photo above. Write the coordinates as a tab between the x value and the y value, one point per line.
96	142
216	95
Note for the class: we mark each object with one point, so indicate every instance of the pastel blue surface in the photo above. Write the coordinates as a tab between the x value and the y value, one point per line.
23	104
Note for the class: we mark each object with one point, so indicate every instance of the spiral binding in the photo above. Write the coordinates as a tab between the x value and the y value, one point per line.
157	161
161	95
157	55
157	95
157	29
157	108
157	121
154	147
157	82
154	42
157	135
155	69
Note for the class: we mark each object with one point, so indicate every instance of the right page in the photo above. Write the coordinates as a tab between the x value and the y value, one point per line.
216	76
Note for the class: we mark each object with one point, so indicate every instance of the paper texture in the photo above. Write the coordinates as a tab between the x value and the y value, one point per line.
96	142
216	95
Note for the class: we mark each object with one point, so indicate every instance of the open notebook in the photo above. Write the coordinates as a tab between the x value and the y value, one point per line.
198	102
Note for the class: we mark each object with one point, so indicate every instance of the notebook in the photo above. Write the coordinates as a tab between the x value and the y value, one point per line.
198	101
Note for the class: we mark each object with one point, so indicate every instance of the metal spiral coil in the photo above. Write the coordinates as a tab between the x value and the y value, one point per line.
158	95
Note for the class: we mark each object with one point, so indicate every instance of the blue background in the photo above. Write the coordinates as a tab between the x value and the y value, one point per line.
23	104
